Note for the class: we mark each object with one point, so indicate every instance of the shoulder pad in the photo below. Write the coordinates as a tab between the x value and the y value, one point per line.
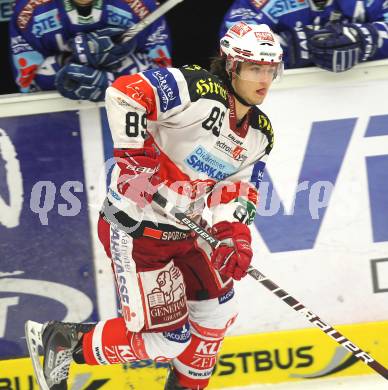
204	85
260	121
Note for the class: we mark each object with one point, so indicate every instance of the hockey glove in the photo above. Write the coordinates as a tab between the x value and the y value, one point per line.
294	43
138	179
339	47
81	82
233	257
101	48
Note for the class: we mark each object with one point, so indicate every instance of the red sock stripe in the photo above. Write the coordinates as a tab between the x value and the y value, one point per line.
110	342
194	366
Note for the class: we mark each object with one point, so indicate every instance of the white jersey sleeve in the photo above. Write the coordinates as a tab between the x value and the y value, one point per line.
133	100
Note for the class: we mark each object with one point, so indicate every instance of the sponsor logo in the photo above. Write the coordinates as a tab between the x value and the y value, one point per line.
200	160
166	87
27	64
234	139
277	8
243	52
46	22
205	87
202	233
119	354
266	126
122	266
257	173
266	53
264	360
259	3
114	194
335	335
243	14
225	43
159	36
26	13
98	356
181	335
174	236
167	300
119	17
192	67
6	10
138	7
19	44
264	36
122	102
240	29
205	356
233	151
226	297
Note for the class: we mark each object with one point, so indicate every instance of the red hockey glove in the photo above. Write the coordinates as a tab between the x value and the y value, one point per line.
233	257
138	178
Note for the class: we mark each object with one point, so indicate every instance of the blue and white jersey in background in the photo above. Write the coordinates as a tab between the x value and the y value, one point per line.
40	29
283	15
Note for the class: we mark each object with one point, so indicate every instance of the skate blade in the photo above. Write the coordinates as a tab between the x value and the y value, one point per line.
33	332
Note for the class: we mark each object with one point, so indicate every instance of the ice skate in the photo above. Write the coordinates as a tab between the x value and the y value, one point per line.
57	340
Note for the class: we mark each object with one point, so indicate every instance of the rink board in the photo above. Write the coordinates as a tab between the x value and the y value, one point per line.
298	355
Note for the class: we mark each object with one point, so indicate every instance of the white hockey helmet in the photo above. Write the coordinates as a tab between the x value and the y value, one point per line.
251	43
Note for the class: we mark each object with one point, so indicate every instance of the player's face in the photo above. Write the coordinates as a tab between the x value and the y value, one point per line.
253	81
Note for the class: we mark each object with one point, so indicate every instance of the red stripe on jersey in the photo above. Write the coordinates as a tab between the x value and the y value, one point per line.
138	89
149	232
231	191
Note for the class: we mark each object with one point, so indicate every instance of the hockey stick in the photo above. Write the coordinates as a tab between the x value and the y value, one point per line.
150	18
280	293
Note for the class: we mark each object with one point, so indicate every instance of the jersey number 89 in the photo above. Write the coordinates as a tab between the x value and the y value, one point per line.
135	125
214	122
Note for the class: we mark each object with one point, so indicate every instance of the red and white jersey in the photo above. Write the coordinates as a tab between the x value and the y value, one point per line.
188	116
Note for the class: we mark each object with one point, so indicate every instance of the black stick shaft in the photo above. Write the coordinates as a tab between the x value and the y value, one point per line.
276	290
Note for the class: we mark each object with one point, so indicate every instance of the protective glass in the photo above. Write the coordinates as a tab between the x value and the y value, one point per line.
260	72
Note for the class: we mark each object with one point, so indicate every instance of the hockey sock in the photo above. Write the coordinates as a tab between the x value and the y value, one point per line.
197	361
110	343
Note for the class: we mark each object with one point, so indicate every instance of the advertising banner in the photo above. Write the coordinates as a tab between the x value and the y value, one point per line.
46	258
244	360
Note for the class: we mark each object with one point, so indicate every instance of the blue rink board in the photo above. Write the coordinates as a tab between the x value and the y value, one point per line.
48	147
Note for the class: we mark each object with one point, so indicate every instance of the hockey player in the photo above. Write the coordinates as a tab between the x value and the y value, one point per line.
74	45
332	34
186	133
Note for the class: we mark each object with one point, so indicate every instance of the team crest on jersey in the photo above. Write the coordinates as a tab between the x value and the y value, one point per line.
46	22
274	9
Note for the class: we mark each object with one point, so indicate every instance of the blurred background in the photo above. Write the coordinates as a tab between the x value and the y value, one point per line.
194	29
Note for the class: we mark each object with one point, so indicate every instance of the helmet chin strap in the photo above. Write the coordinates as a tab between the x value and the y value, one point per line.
236	95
